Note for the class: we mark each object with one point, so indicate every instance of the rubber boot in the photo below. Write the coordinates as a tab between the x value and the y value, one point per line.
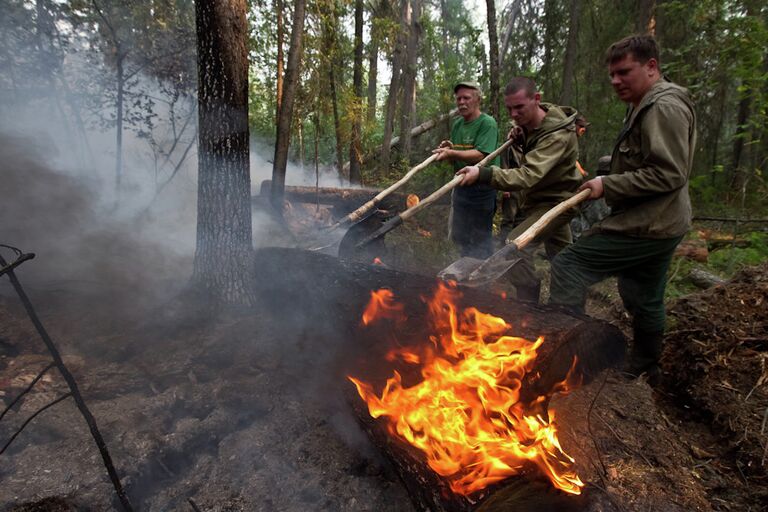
528	293
644	357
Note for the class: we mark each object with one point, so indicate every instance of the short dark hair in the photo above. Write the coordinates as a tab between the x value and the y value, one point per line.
521	83
642	46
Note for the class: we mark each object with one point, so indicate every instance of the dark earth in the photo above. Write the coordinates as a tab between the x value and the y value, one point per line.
237	412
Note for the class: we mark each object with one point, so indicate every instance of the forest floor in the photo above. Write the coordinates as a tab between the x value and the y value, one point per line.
237	412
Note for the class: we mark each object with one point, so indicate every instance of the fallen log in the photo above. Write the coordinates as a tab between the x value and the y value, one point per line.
330	295
342	198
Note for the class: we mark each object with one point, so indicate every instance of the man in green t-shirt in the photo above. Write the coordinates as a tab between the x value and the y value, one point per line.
473	136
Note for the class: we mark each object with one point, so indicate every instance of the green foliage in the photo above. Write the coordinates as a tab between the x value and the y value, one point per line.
730	259
723	262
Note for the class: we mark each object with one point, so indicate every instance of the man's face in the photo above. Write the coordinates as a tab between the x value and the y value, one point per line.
467	101
522	108
630	79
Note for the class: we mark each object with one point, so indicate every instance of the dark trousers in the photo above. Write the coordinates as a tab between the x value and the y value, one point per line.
641	265
472	225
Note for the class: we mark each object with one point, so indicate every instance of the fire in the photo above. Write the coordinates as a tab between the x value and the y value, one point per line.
383	305
412	200
466	412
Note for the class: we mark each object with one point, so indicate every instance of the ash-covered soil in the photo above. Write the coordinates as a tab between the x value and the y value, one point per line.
237	412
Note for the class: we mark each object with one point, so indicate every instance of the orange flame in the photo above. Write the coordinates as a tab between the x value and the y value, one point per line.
466	414
383	305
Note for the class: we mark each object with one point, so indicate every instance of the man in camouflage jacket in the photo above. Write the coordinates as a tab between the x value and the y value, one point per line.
647	190
547	175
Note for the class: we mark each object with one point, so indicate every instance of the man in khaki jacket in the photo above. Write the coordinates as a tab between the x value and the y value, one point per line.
647	190
547	175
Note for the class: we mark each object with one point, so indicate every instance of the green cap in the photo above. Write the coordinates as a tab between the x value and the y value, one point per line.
468	85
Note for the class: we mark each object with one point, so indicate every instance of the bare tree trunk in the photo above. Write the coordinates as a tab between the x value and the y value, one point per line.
513	12
645	17
566	93
409	80
336	120
355	149
550	35
280	59
738	176
493	58
224	257
394	86
373	64
286	108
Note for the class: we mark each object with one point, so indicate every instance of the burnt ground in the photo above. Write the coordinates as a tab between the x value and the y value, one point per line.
237	412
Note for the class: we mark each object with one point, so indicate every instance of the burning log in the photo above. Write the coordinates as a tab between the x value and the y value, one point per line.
569	349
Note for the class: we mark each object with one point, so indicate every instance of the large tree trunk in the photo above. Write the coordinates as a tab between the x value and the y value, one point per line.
280	58
398	57
493	57
566	93
355	150
286	109
223	259
408	102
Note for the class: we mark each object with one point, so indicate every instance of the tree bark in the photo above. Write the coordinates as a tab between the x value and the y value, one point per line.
645	17
280	57
373	65
355	149
398	57
738	176
408	102
493	58
286	109
513	12
569	64
223	259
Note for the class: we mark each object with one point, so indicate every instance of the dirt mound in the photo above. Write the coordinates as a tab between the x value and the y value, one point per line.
715	360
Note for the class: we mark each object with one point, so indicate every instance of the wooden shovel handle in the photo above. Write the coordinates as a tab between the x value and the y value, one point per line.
437	194
533	231
360	212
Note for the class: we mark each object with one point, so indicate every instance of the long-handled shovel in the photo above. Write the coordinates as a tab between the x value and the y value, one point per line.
361	212
347	240
437	194
473	272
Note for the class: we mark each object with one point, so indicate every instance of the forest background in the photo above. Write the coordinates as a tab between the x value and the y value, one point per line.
112	84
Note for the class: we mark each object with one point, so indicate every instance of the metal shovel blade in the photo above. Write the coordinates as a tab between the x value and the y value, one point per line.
484	272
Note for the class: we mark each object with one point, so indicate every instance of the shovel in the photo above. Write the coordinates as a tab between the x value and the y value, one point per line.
437	194
473	272
355	220
361	212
